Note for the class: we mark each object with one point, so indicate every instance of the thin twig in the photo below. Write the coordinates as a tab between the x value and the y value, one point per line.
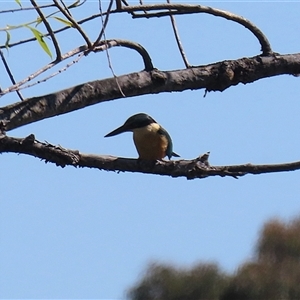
66	8
42	70
35	21
75	24
102	46
177	9
141	3
112	71
55	73
9	74
180	47
25	8
104	22
55	32
40	6
49	29
105	43
82	21
33	39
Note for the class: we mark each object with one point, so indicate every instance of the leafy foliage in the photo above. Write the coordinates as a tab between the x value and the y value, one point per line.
279	242
203	281
274	273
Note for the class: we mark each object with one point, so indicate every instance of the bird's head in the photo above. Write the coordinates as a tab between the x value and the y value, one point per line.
136	121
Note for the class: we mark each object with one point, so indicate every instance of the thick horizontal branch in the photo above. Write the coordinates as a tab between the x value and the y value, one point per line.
214	77
190	169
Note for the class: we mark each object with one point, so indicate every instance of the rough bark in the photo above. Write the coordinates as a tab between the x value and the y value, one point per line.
190	169
213	77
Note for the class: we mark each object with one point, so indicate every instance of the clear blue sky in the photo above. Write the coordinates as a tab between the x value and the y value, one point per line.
81	233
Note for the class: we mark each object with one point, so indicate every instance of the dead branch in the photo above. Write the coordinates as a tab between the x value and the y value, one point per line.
190	169
102	46
184	9
65	56
63	69
172	9
214	77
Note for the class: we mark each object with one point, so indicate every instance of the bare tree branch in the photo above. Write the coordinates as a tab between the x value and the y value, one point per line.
104	22
21	9
102	33
172	9
184	9
214	77
102	46
65	56
190	169
74	61
24	8
66	8
11	76
180	47
131	45
73	21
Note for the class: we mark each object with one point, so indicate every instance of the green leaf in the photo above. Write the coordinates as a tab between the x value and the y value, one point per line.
7	39
74	4
19	2
40	38
68	23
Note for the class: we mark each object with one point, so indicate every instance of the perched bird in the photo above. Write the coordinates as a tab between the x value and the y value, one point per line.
151	140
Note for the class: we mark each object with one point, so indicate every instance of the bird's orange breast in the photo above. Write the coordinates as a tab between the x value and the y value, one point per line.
149	143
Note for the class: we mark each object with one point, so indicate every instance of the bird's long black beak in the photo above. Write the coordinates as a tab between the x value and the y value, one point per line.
119	130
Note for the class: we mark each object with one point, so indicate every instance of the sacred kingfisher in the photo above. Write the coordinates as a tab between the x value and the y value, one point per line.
151	140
